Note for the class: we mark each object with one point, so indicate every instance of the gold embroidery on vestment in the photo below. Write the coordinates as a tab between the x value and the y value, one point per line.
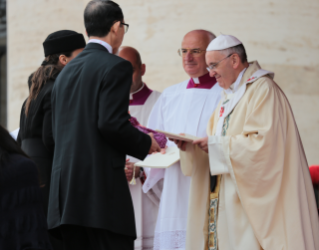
212	215
211	240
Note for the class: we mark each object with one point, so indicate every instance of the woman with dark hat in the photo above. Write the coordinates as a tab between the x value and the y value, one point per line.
35	135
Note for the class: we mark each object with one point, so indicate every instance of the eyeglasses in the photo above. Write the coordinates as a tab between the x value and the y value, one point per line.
214	66
194	52
126	26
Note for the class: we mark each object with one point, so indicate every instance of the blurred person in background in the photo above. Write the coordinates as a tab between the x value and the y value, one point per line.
142	100
22	220
35	135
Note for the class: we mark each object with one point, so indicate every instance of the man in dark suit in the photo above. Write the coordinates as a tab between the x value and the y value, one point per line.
90	205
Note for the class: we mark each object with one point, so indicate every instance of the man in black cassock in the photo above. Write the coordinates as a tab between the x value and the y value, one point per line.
90	206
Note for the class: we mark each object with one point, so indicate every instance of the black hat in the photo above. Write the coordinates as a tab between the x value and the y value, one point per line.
63	41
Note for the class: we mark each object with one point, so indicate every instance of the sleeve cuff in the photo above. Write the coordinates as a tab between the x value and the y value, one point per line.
154	176
218	151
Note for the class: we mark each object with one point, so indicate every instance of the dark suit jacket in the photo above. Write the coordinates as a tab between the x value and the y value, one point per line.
38	123
92	135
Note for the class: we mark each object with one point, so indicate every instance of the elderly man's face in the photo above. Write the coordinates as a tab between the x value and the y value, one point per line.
223	70
194	63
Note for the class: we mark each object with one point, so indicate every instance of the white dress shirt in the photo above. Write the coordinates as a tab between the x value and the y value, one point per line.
104	44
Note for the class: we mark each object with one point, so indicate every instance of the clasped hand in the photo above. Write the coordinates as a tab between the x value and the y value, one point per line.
129	166
154	146
202	143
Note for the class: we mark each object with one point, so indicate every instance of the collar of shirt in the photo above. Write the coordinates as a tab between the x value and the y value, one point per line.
104	44
234	87
140	96
202	82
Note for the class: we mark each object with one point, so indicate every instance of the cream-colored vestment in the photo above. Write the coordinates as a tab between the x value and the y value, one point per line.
266	198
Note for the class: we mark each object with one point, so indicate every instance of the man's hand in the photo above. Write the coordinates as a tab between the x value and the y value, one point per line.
202	143
154	147
163	150
180	144
129	171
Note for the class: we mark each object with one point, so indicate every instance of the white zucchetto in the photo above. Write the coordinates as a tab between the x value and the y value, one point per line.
223	42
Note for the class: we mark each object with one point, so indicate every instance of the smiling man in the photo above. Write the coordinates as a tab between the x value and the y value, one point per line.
264	197
184	107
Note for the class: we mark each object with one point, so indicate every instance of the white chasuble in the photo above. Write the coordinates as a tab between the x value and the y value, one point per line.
145	205
266	198
180	109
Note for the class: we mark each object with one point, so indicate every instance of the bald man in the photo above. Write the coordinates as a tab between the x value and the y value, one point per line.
184	107
142	100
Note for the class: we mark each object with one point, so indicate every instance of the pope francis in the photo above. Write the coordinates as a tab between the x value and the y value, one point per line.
264	197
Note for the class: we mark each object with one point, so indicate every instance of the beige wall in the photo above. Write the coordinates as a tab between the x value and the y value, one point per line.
29	23
282	35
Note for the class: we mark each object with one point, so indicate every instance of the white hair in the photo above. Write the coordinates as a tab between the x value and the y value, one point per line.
239	50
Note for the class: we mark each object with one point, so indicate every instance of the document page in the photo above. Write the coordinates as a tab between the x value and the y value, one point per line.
159	160
186	137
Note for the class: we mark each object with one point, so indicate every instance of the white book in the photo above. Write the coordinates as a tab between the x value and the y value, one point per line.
159	160
184	137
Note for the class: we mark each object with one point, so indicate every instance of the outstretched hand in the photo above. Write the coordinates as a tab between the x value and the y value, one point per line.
202	144
180	144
